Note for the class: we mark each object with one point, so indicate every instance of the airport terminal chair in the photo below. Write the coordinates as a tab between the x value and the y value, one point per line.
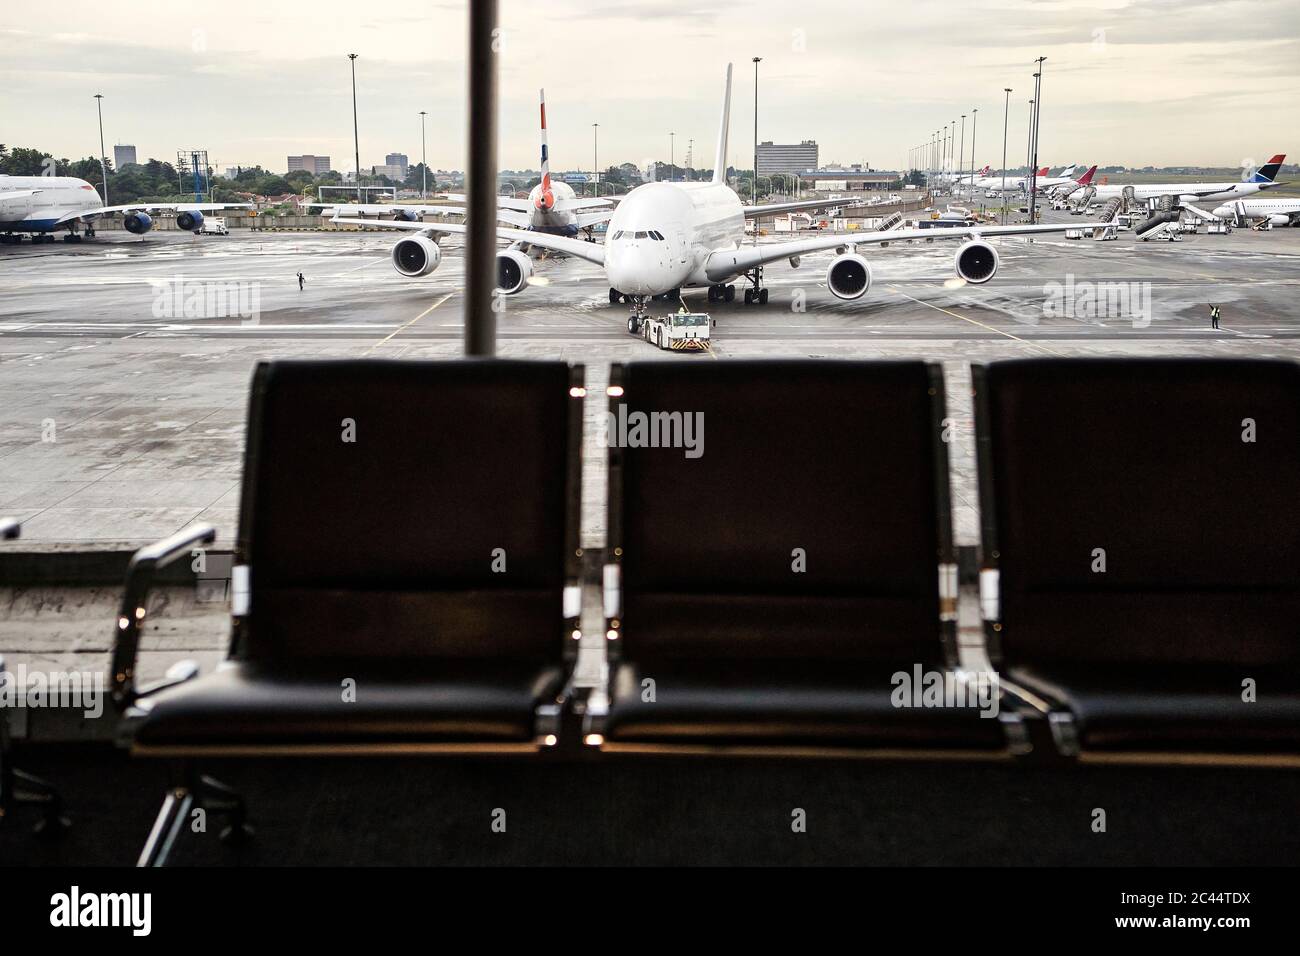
1141	535
405	574
17	787
772	587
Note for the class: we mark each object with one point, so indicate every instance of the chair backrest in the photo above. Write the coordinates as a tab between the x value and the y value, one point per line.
409	509
810	526
1143	510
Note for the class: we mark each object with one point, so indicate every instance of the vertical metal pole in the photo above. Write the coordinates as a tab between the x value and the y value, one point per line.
424	162
961	155
1038	111
974	118
1029	143
1006	109
481	238
753	186
672	156
595	154
103	162
356	137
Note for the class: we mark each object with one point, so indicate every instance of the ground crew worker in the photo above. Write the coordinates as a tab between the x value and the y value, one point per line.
301	281
1214	316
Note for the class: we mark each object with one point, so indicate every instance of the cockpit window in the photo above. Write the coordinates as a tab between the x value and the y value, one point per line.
640	235
657	237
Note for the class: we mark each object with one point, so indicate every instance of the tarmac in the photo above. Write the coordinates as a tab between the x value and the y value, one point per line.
124	382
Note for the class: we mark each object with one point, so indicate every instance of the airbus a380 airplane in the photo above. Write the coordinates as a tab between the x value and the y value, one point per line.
664	237
43	205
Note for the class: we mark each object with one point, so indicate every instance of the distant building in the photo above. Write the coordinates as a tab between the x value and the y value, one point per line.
316	165
855	178
123	156
393	171
786	158
399	160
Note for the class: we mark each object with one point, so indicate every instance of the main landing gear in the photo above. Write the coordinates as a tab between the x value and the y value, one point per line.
757	295
722	293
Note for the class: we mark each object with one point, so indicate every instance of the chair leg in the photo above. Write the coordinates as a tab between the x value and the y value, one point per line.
220	798
33	790
171	818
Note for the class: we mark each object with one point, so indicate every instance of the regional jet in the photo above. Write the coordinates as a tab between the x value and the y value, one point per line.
667	236
1278	212
43	205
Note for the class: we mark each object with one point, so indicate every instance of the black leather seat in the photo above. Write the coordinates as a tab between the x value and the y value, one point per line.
835	469
409	527
1179	475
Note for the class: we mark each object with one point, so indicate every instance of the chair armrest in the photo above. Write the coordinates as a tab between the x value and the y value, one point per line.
10	528
135	598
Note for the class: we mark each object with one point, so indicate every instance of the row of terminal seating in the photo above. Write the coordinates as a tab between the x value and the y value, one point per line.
408	567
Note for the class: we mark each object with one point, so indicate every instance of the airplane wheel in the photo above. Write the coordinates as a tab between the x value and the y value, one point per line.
749	297
631	325
614	296
730	294
762	297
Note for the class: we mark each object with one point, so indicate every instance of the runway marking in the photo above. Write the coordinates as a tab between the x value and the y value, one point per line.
409	324
990	328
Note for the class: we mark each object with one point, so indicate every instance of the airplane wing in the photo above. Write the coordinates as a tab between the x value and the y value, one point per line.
753	212
722	265
579	203
381	209
589	251
170	207
593	218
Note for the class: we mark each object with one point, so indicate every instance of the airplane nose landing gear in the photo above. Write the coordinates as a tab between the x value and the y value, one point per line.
638	314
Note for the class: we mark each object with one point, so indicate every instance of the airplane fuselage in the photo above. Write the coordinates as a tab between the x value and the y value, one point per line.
544	218
53	200
1194	192
662	235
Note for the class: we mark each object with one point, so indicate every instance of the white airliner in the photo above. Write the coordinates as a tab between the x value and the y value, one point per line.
551	207
43	205
1279	212
1016	184
664	237
1263	178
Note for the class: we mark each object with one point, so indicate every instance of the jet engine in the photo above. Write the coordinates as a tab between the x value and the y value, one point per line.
514	269
976	262
190	220
848	276
416	256
137	223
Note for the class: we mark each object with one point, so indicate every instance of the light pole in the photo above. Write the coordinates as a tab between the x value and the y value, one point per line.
1029	143
974	118
1038	111
672	155
961	152
356	139
753	186
103	164
424	162
595	161
1006	109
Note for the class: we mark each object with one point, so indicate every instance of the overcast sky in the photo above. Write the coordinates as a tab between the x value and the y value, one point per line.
1131	82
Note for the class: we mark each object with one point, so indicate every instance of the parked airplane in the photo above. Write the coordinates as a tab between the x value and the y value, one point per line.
42	205
1263	178
552	206
667	236
1279	212
1016	184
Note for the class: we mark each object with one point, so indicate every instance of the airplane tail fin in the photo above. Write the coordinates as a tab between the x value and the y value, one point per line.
1268	172
1086	178
1044	172
547	198
724	127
